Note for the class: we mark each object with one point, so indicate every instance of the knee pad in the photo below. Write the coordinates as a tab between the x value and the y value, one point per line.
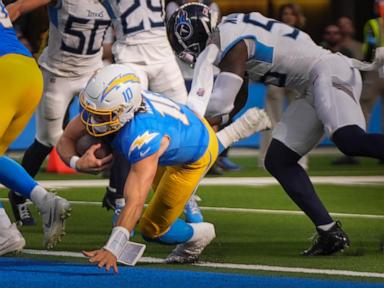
278	156
348	139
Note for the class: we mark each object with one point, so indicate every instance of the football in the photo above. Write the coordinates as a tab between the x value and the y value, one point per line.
86	141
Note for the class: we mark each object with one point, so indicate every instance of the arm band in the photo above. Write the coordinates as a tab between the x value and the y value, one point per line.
73	161
117	241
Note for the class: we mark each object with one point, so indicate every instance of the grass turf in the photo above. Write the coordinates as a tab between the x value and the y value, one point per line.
251	238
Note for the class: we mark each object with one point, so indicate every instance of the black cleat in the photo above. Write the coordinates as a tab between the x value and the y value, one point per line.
109	200
328	242
23	215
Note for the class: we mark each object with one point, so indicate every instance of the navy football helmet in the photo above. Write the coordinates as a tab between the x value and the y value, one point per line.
188	29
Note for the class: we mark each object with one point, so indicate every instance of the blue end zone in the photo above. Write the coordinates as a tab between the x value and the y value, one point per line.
18	272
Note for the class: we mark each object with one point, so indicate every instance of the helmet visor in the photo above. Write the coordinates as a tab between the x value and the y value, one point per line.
99	122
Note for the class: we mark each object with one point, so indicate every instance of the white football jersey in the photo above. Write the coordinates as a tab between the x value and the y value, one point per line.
137	21
278	54
76	33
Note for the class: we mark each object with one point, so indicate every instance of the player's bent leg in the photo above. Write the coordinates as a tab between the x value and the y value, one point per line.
282	163
32	160
190	250
11	239
192	239
13	176
354	141
53	209
168	203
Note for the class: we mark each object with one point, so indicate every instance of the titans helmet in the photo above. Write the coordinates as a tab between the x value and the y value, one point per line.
188	29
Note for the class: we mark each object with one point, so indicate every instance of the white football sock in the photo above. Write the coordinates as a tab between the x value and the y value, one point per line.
326	227
38	196
5	222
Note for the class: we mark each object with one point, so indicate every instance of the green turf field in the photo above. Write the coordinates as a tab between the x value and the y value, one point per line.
252	236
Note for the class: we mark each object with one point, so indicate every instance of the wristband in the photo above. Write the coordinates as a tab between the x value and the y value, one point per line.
117	241
73	161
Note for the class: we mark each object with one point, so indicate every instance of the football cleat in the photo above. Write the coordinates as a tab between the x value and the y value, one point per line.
23	215
189	252
109	200
53	212
192	211
328	242
11	240
226	164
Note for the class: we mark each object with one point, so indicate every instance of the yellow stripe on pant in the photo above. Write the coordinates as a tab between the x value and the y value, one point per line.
21	87
173	187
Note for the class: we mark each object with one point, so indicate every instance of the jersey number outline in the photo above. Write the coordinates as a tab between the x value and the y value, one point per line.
167	107
272	77
269	25
69	29
140	27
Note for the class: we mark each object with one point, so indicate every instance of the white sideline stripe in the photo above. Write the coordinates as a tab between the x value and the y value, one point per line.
228	265
247	210
228	181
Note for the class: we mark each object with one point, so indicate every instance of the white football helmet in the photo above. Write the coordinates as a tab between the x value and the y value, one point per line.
110	99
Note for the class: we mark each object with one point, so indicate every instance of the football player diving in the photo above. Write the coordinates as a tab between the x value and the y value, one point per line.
169	148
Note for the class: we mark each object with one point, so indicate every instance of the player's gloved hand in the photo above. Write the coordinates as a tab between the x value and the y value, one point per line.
379	57
377	63
89	163
103	258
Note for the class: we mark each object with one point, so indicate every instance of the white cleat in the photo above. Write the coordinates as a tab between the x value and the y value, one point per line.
53	213
189	252
11	240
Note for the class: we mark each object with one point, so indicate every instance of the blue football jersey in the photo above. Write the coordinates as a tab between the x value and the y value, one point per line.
141	137
8	39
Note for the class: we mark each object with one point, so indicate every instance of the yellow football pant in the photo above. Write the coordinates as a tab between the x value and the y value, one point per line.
173	186
21	87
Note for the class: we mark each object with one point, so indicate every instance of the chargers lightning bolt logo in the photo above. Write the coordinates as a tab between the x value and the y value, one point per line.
141	140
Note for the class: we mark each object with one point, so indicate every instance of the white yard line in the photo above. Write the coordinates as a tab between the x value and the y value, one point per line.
253	267
228	181
248	210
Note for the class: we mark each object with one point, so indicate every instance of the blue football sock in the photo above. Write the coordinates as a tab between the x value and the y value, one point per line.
179	232
13	176
221	147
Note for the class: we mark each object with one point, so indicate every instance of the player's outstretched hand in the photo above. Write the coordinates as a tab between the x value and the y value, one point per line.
103	258
89	163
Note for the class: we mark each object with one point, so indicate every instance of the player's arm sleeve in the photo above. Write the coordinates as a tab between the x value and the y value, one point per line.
202	83
224	93
228	83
